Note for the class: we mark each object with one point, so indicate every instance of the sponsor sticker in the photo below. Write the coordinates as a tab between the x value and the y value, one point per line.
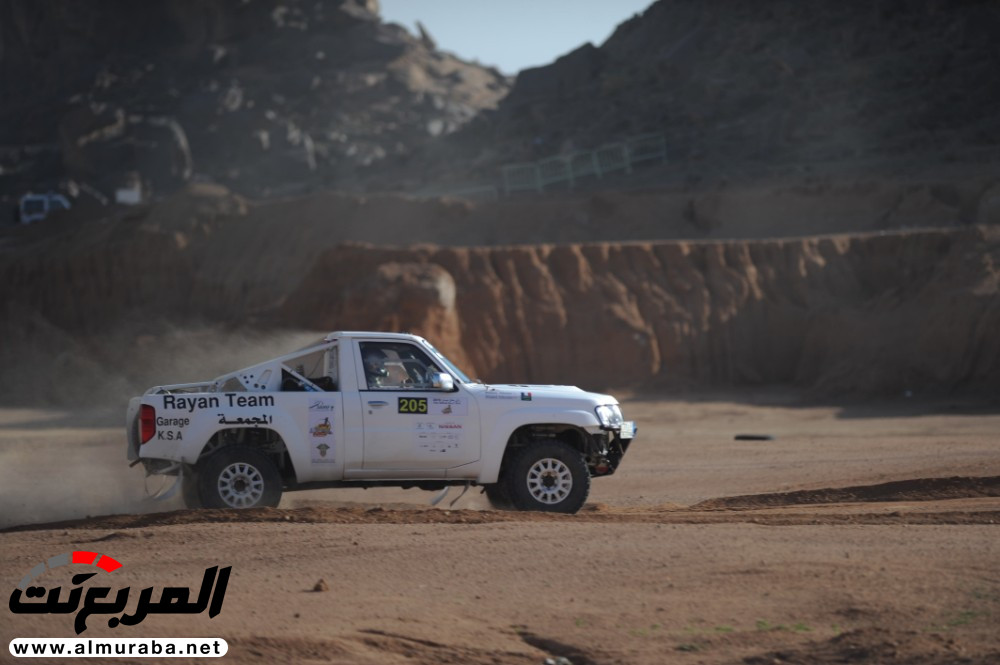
321	432
438	438
498	394
449	406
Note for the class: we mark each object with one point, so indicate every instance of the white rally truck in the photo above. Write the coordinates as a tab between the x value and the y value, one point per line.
365	409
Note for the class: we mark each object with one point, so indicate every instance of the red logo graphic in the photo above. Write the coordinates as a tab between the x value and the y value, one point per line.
102	561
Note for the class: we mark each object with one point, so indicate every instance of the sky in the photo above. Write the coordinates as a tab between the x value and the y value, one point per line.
512	34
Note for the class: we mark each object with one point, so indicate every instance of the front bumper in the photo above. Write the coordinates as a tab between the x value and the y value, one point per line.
609	448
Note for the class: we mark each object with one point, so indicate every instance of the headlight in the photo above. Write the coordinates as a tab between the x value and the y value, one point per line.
610	416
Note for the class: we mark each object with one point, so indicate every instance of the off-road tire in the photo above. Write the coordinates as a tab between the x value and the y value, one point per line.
238	477
189	490
498	497
549	476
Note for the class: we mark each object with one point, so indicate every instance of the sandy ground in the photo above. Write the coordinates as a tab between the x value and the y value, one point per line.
859	534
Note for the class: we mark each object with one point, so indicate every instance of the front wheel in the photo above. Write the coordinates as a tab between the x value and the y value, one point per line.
550	476
498	497
238	477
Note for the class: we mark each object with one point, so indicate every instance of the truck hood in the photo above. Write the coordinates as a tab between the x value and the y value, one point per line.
532	392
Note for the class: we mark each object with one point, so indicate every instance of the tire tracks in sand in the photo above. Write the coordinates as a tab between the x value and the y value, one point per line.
956	500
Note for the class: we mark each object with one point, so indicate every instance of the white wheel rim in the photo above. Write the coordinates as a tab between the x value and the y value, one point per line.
241	485
549	480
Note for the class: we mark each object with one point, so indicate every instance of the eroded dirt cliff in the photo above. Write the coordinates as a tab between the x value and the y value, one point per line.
868	313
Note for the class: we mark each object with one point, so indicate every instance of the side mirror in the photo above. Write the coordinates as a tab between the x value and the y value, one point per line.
442	381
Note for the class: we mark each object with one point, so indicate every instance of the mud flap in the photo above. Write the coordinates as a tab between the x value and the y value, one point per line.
170	492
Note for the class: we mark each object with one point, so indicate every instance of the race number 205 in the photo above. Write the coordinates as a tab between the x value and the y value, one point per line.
413	405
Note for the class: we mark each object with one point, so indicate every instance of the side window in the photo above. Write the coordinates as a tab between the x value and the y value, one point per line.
316	371
396	366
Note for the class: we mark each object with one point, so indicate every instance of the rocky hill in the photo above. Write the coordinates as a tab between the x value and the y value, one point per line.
274	97
265	97
742	90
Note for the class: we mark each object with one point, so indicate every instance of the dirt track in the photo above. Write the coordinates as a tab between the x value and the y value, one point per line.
863	534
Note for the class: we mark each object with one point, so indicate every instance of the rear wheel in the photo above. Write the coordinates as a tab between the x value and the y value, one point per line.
189	489
238	477
550	476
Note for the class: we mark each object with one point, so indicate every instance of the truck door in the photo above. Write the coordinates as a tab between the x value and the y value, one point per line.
408	425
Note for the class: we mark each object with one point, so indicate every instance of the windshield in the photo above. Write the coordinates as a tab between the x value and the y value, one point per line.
450	366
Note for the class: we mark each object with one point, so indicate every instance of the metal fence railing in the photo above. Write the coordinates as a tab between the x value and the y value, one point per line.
610	158
613	157
520	177
647	147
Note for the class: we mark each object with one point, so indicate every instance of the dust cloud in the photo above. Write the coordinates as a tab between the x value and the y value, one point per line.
51	469
47	366
62	415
